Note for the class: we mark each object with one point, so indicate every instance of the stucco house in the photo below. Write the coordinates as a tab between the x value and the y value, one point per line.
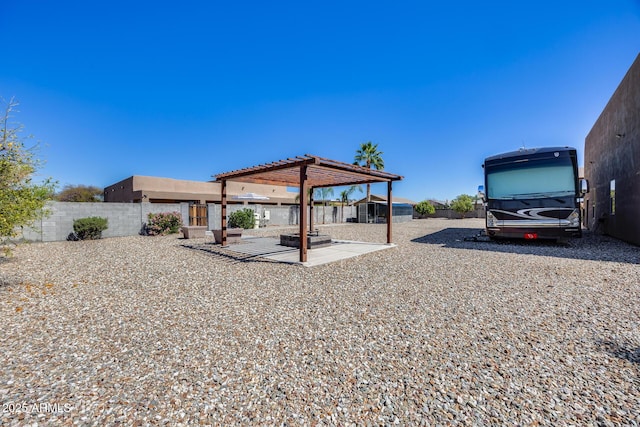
140	189
612	163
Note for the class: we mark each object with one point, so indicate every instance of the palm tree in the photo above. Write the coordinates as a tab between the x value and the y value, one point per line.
369	156
345	195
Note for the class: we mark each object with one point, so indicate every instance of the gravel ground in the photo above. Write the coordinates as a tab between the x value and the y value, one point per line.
437	331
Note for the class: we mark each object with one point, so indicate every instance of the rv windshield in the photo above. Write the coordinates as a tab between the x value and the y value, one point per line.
531	180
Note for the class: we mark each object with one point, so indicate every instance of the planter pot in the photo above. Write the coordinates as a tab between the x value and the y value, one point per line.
193	231
233	235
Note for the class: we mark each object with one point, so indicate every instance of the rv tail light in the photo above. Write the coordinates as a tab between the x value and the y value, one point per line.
530	236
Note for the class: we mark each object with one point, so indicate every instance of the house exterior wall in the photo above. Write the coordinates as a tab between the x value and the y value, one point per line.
136	189
612	153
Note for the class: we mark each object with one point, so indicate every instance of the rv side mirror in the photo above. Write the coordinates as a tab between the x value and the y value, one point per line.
584	186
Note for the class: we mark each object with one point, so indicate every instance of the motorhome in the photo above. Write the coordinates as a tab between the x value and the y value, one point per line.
533	194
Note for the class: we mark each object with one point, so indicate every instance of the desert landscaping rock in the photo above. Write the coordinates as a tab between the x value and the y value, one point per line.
437	331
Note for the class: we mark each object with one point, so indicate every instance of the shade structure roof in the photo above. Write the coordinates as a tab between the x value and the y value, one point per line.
306	172
321	172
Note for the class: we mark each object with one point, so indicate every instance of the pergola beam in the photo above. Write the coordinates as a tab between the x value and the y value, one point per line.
270	167
340	184
315	182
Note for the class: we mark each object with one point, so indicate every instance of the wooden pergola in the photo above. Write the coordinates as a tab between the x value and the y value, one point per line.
306	172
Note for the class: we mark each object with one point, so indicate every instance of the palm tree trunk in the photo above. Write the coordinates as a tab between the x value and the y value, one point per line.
368	185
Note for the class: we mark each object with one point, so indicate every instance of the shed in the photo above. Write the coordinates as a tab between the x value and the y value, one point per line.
376	210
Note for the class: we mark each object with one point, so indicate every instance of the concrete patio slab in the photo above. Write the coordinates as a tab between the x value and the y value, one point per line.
270	248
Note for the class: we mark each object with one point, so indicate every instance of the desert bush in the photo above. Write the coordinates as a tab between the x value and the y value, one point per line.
22	201
160	224
89	228
425	207
241	219
79	193
462	204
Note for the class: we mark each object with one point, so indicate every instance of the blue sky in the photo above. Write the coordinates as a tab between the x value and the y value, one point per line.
187	90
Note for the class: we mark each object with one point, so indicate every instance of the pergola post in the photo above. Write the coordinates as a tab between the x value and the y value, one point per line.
223	211
303	213
389	212
311	216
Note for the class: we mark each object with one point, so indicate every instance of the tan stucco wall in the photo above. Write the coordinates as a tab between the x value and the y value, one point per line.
148	188
121	191
612	152
150	183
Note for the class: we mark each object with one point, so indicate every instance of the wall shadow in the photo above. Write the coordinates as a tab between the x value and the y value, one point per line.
594	247
624	351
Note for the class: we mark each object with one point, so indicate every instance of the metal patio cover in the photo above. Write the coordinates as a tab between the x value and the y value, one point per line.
306	172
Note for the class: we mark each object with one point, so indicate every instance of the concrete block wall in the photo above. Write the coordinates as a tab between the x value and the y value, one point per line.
127	219
280	215
451	214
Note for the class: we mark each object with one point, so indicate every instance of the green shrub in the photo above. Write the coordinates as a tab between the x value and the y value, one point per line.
462	204
425	208
163	223
90	228
241	219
